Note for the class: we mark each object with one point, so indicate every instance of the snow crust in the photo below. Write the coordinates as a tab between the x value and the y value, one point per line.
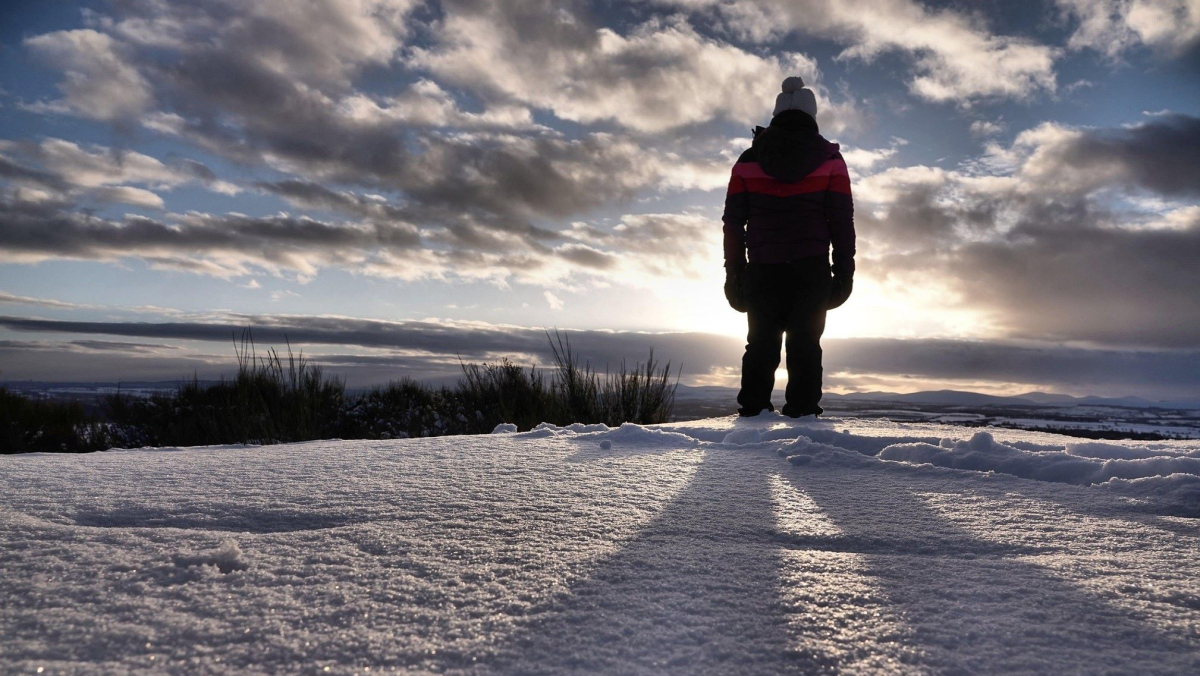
726	546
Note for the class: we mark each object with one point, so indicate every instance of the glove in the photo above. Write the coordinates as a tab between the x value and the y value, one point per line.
839	290
733	289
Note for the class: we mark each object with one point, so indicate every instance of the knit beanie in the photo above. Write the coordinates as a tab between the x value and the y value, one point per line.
795	96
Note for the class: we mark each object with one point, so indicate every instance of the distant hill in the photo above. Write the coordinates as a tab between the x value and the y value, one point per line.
687	394
75	388
942	397
957	398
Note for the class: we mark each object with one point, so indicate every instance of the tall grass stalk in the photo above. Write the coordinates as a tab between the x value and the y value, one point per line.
643	394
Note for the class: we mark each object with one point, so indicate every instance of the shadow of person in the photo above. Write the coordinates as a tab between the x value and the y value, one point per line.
976	605
696	591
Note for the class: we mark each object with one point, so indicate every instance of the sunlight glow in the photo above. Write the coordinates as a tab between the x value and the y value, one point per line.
892	309
798	514
818	584
888	308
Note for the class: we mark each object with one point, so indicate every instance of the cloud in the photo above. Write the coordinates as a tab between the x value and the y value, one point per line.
504	183
125	347
664	245
955	57
1068	275
318	41
660	75
862	160
440	340
316	196
426	104
276	87
67	170
127	195
553	301
429	143
1061	242
100	166
986	127
431	349
6	297
1114	26
224	246
100	81
475	200
1156	155
379	239
1152	373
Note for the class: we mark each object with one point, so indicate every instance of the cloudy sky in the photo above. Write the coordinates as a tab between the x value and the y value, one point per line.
394	184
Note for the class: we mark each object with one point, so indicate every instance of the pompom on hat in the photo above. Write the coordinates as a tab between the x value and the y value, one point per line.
795	96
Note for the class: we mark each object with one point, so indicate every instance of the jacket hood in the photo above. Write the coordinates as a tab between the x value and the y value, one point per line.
792	147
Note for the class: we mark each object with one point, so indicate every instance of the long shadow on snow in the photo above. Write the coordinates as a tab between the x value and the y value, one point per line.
974	608
232	518
696	591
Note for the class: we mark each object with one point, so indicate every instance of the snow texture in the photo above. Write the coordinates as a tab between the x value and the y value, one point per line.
869	547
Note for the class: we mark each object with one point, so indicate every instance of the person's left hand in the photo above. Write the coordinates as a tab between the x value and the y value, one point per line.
839	290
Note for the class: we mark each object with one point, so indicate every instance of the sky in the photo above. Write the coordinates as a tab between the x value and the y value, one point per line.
395	185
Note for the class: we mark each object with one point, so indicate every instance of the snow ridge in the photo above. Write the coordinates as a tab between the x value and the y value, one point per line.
1162	476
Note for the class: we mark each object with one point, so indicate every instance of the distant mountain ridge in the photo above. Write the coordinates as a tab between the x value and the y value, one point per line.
706	392
962	398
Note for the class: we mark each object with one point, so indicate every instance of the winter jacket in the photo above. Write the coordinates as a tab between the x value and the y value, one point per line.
789	198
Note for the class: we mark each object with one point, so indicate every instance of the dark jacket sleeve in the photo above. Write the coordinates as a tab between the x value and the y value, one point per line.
839	214
737	211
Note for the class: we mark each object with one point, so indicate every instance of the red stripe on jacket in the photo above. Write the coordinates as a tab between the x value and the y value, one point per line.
829	182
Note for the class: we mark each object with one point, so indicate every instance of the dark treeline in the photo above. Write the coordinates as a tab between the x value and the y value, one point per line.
274	398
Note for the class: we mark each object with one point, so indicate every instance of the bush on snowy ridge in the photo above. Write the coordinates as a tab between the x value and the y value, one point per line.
269	399
275	399
29	425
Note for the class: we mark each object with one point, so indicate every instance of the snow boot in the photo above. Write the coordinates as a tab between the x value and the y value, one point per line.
750	413
797	412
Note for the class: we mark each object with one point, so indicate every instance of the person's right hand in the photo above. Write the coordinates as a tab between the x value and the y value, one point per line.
733	290
840	290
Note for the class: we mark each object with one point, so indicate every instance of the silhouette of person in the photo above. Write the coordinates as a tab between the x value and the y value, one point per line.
788	202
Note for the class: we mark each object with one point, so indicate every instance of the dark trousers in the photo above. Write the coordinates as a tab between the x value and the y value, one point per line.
784	298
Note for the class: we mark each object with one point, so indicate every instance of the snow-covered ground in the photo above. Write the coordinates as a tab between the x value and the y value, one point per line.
760	546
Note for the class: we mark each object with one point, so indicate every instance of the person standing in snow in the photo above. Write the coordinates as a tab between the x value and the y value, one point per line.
788	201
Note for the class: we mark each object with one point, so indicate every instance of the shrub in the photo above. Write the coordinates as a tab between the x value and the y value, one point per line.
504	392
643	394
401	409
272	399
28	425
269	400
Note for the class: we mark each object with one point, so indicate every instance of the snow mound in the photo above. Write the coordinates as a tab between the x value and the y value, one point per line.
227	558
1174	494
743	437
580	427
1156	473
1103	451
805	451
1075	464
505	428
628	433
